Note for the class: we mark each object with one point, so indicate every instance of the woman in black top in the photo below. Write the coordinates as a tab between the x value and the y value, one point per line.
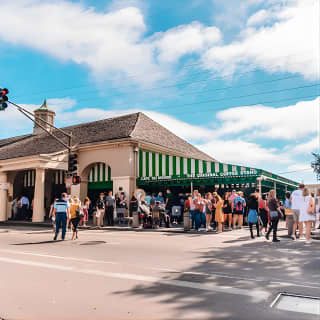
227	209
274	213
253	206
133	206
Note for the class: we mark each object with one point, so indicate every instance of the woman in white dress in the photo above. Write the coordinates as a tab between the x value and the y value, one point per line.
307	213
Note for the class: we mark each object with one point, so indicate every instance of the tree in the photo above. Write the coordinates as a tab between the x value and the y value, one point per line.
316	164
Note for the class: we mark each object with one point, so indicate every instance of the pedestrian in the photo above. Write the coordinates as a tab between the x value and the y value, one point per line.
219	215
198	209
239	205
253	206
208	211
296	204
307	213
52	215
100	210
134	204
263	213
317	200
85	211
110	204
160	198
25	207
193	209
227	209
274	212
121	207
75	215
15	208
61	212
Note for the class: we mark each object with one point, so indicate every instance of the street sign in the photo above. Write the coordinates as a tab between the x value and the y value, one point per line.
4	185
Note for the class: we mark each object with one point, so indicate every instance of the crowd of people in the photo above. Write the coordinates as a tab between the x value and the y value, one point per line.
208	212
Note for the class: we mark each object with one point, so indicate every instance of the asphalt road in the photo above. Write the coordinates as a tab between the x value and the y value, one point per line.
151	275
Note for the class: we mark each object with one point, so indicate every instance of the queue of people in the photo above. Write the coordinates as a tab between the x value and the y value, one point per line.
208	212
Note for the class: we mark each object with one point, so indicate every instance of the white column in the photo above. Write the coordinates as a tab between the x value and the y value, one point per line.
3	197
38	202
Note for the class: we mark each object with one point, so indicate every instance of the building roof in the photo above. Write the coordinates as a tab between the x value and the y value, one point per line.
135	126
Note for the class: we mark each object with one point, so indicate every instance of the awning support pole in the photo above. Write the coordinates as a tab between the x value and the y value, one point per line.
191	187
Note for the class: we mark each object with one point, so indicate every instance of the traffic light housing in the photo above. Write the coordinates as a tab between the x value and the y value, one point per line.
72	163
3	98
76	180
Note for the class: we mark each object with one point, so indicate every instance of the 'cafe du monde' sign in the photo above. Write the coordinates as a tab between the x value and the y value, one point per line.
246	173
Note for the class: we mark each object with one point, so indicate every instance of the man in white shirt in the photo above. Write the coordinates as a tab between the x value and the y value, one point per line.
296	202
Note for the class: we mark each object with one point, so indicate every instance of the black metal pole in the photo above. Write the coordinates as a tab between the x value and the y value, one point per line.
46	122
47	131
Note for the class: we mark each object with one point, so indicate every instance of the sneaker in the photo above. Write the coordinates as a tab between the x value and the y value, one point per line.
302	238
293	238
309	241
275	240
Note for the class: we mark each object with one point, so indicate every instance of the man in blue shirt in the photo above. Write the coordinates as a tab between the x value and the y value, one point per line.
160	198
61	212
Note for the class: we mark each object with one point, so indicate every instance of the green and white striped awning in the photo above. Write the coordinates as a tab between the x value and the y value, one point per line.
154	165
99	173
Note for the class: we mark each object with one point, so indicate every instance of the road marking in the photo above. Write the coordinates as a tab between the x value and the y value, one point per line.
257	295
58	257
212	274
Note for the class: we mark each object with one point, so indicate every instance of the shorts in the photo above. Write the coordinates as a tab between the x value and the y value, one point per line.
296	214
236	212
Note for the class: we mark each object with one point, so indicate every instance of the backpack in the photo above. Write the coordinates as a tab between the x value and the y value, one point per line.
239	206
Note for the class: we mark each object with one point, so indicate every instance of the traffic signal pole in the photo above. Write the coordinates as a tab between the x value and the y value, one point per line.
67	145
29	115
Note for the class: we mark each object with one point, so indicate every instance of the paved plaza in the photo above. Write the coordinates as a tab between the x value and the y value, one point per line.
112	274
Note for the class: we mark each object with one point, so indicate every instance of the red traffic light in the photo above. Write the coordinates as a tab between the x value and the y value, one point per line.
3	98
76	180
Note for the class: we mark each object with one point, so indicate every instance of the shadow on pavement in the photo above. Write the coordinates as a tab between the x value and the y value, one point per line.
41	242
271	267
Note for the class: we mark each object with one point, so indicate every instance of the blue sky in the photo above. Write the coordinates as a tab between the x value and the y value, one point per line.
239	79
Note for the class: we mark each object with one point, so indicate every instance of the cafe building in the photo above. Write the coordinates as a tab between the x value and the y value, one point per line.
117	154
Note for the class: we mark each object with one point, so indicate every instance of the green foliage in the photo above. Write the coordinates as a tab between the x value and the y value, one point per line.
316	164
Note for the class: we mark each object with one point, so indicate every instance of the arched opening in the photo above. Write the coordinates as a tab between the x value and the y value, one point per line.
99	180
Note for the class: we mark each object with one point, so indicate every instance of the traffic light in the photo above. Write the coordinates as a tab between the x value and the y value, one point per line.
3	98
76	179
72	163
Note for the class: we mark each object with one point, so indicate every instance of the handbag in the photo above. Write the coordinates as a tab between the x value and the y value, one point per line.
311	211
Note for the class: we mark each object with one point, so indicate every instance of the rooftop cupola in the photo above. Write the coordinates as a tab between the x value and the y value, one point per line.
43	114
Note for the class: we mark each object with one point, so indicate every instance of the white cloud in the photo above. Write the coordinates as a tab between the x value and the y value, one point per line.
306	147
259	17
300	167
185	39
238	151
291	122
291	44
110	43
232	14
105	42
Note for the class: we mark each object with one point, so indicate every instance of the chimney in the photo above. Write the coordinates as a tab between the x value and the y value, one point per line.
43	113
